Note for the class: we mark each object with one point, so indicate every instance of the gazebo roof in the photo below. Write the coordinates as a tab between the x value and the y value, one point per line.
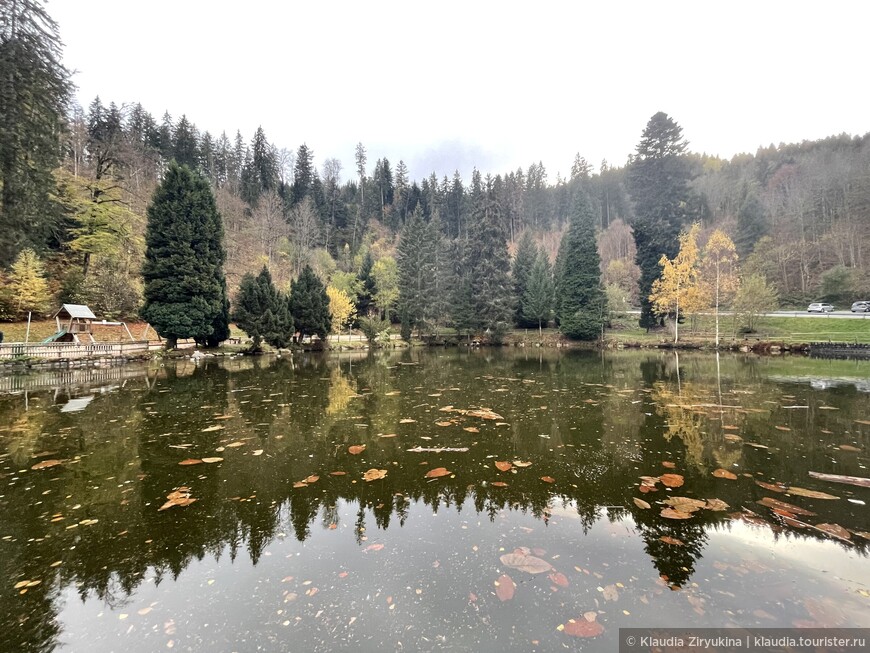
76	310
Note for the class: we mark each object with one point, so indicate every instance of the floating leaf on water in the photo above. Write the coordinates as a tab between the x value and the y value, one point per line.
849	447
671	480
781	428
392	393
216	427
527	563
862	421
498	484
258	452
483	413
407	420
837	478
668	464
757	446
685	504
724	473
716	505
388	435
522	463
438	472
771	486
179	497
640	503
782	505
503	465
212	460
356	449
190	461
548	479
730	427
504	588
810	494
559	579
443	423
299	484
582	627
610	594
374	474
312	479
337	473
731	437
471	429
374	547
667	539
670	513
236	444
45	464
834	529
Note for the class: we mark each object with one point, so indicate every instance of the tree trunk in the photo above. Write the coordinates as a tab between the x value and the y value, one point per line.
171	342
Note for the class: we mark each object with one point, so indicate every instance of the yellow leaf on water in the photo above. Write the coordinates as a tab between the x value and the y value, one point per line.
211	460
236	444
45	464
216	427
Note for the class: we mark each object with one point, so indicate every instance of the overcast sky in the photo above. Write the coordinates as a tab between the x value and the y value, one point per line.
450	85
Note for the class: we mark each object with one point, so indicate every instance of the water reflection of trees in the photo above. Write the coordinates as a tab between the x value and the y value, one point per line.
605	428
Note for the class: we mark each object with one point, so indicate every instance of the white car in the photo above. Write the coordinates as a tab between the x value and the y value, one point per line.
817	307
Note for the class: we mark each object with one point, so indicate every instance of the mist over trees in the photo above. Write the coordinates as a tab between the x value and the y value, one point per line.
440	251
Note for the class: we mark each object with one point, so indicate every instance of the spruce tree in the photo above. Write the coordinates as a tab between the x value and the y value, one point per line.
185	289
582	299
526	255
309	305
262	312
538	296
366	296
34	91
489	267
659	186
415	257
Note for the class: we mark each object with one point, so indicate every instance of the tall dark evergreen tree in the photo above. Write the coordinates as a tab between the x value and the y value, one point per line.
34	92
525	257
366	296
751	223
185	147
582	300
538	295
303	174
659	185
185	288
309	305
415	256
262	312
489	266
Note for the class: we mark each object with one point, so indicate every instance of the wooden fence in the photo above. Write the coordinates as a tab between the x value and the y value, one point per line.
70	350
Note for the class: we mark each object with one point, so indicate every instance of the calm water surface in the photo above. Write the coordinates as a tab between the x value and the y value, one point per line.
288	548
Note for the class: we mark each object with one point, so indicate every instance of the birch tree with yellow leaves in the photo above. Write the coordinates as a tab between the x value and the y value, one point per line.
719	271
341	308
678	288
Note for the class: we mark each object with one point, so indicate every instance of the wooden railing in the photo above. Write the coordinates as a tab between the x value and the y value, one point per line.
70	350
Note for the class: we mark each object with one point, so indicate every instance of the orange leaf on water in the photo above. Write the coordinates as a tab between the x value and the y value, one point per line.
499	484
438	472
503	465
671	480
669	464
45	464
583	627
504	588
667	539
559	579
670	513
374	474
337	473
190	461
640	503
548	479
356	449
724	473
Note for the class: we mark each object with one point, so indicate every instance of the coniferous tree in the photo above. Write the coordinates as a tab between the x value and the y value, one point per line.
309	305
415	257
538	294
659	186
457	279
489	267
582	302
368	289
261	311
751	225
185	289
34	91
527	253
185	148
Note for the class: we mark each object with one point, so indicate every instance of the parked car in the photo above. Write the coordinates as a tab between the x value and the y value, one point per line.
861	307
818	307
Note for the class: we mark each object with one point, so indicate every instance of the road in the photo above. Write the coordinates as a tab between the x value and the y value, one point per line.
818	316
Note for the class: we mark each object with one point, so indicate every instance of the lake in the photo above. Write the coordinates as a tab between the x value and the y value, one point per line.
430	499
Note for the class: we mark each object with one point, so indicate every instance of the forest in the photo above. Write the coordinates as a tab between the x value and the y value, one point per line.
440	251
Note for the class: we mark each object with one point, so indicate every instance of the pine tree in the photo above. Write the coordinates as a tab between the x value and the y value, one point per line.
538	295
34	92
185	147
582	301
368	289
309	305
185	288
457	278
527	253
659	185
261	311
